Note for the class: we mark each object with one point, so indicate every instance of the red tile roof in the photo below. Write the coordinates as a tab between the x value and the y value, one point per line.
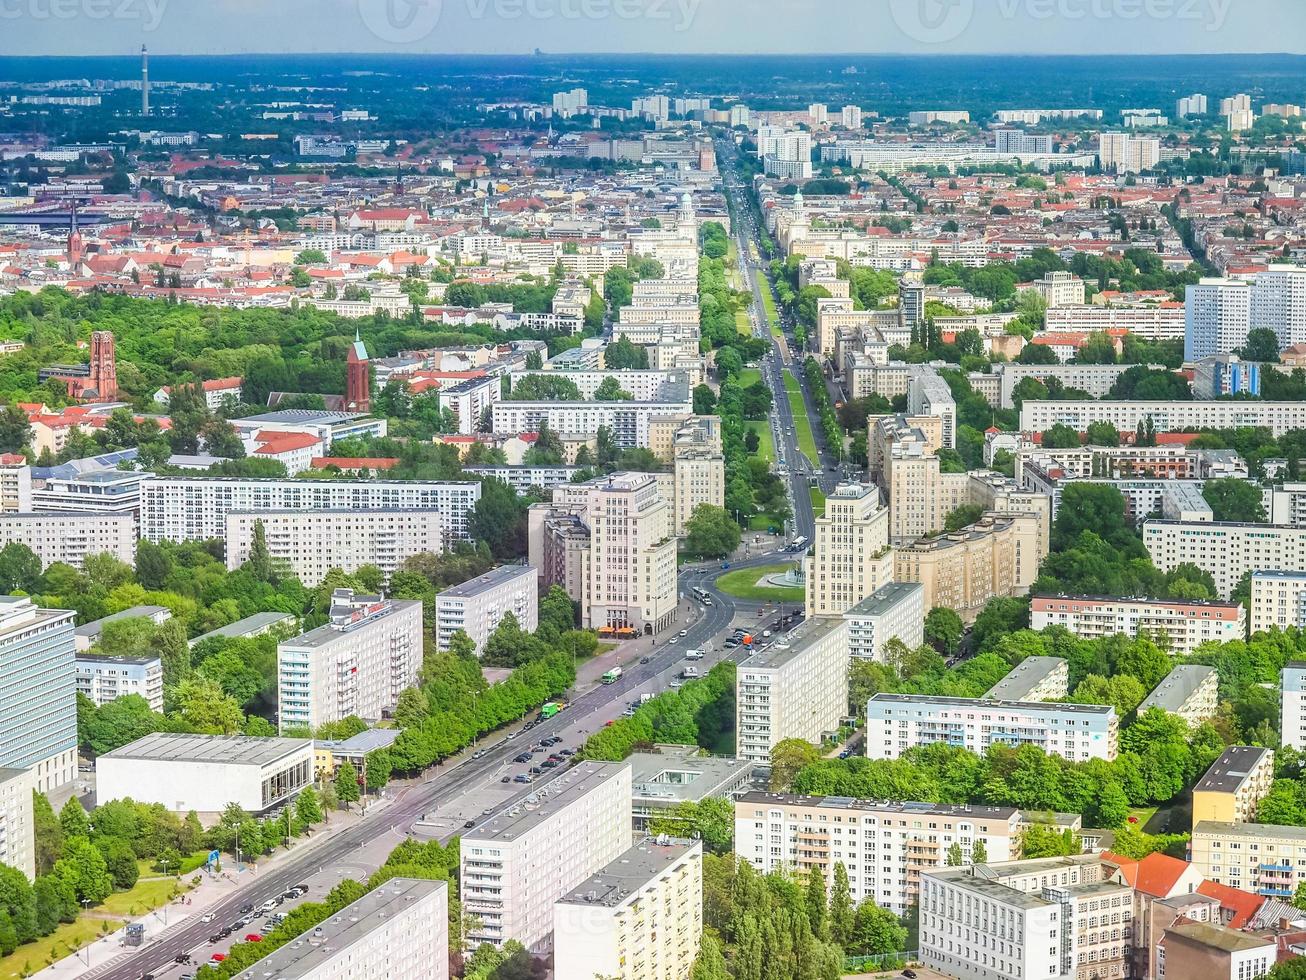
1239	904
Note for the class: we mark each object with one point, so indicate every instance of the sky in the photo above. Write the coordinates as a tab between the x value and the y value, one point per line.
116	27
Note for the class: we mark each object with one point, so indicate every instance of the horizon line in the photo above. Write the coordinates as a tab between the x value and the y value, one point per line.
135	54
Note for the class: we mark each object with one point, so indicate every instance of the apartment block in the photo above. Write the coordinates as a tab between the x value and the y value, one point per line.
1277	600
1178	626
17	830
1042	919
885	846
893	611
397	931
1033	679
105	679
897	722
1278	417
356	664
1059	289
929	394
1292	721
921	496
1218	313
196	508
309	543
38	692
1191	691
795	688
640	916
517	863
1232	789
1279	303
70	537
699	465
1127	154
1268	859
478	605
963	570
15	483
1227	551
1209	949
1157	321
850	557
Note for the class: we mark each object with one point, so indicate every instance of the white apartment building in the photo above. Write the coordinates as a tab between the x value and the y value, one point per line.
70	537
469	400
478	605
1191	105
1267	859
795	688
929	394
1227	551
397	931
15	483
642	386
1191	691
850	558
885	846
1160	321
699	466
357	664
99	491
897	722
1095	379
1292	719
17	832
1033	679
1279	303
627	420
1043	919
1128	154
1287	504
1178	626
1217	317
893	611
1059	289
309	543
640	916
196	508
516	864
104	679
38	692
1278	417
850	117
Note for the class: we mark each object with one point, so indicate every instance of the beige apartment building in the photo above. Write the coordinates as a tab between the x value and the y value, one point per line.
920	495
640	916
1269	859
884	845
1234	786
1191	691
850	557
883	432
966	569
699	465
610	542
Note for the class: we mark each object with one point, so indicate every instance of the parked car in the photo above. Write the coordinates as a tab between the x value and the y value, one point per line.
522	757
567	752
253	937
269	905
549	764
181	958
207	917
506	779
217	937
537	771
521	778
218	957
646	660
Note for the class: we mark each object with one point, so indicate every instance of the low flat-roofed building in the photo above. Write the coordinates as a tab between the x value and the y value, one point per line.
893	611
1180	626
206	772
397	931
676	774
105	679
639	916
1235	784
1033	679
1191	691
330	754
478	605
256	625
88	634
1215	952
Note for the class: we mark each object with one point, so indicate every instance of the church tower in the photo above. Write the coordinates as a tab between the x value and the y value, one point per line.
358	378
104	369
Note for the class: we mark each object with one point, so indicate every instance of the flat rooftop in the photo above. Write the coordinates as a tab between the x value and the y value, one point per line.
1231	770
1249	831
883	599
612	885
86	658
317	947
880	806
1220	937
304	416
522	816
1177	687
235	750
988	887
1024	677
96	627
258	623
676	774
492	579
330	632
794	643
948	702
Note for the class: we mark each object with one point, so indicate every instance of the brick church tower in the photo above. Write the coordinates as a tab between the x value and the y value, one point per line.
358	379
104	370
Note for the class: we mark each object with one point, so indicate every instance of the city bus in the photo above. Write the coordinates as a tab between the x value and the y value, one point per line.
702	596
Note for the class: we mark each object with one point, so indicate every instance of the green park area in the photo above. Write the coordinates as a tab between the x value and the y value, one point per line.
802	424
768	304
742	584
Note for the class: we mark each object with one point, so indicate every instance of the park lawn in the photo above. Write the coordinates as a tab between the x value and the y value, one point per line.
742	584
766	442
768	304
802	424
742	324
749	376
30	957
603	648
144	896
818	501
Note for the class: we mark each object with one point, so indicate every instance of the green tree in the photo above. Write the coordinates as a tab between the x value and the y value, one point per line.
788	757
816	900
308	807
1231	499
953	858
203	707
1262	345
979	852
943	628
711	819
73	820
346	783
841	913
20	568
1061	436
119	861
15	430
963	516
1103	434
711	533
876	931
710	963
47	833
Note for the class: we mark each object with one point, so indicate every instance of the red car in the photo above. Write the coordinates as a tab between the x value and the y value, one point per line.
253	937
218	957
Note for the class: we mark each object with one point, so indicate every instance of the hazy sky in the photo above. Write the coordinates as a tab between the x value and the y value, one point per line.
73	27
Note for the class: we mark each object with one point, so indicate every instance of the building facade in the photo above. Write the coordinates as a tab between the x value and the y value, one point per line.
38	692
478	605
105	679
1232	789
1226	551
70	537
1178	626
1191	691
850	557
893	611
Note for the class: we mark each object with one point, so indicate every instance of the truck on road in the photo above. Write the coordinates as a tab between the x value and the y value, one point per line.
549	709
612	676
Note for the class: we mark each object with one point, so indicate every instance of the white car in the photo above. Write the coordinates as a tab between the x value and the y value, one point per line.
674	639
207	917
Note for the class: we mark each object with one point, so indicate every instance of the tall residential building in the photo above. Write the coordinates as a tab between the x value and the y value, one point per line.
795	688
897	722
1292	722
885	846
70	537
1279	303
964	569
17	832
850	117
1178	626
397	931
1227	551
1033	679
850	557
478	605
189	508
1191	691
892	612
699	466
357	664
818	113
517	863
571	101
929	394
610	542
1059	289
1125	153
1166	416
1237	112
309	543
921	495
1234	785
1019	141
640	916
1041	919
1218	317
1257	857
15	483
1192	105
38	692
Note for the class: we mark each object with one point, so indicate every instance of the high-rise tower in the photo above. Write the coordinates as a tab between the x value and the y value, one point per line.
358	380
145	81
104	367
